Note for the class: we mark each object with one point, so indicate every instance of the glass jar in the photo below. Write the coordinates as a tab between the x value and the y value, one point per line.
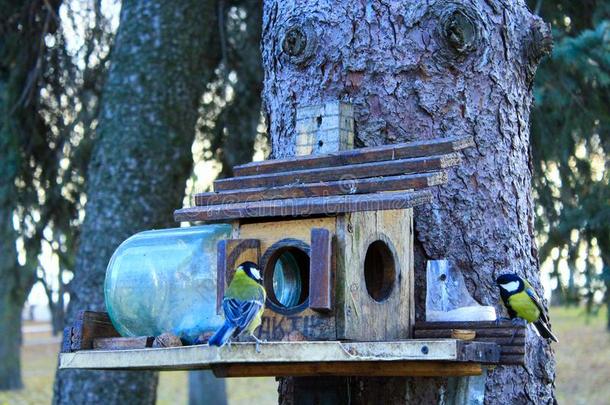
165	281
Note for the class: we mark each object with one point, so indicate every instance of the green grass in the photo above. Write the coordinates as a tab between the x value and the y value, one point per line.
583	368
583	357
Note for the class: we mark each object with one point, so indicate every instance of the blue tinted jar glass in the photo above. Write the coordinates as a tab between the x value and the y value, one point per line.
165	281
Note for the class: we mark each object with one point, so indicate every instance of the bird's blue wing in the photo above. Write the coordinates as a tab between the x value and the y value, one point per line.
240	313
534	297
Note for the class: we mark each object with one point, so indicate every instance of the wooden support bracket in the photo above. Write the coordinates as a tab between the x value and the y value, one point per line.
320	271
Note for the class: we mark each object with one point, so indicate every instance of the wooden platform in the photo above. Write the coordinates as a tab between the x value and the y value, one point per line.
423	357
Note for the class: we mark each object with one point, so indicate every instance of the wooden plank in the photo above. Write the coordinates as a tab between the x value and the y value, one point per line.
512	359
362	369
230	254
516	349
358	156
320	270
503	340
89	325
445	333
510	337
203	356
359	316
123	343
340	187
359	171
296	207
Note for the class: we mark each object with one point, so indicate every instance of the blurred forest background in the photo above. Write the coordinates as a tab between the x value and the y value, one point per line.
56	80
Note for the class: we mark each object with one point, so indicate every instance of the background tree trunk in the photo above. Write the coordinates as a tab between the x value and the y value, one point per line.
164	54
206	389
21	130
420	70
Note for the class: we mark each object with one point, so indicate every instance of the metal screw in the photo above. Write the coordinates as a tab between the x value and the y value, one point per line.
424	349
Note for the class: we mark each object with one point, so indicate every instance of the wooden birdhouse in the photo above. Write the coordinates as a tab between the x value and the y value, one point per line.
331	229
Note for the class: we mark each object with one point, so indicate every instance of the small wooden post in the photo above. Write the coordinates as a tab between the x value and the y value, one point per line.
324	128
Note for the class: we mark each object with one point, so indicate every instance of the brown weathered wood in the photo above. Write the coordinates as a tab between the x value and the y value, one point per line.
371	369
510	337
516	349
307	324
357	156
305	206
512	359
230	254
340	187
359	316
517	340
89	325
123	343
478	352
486	332
358	171
320	270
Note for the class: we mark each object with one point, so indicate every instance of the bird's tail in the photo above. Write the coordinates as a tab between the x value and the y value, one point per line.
222	335
545	330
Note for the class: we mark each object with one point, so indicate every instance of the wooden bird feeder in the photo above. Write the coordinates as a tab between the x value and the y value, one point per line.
332	231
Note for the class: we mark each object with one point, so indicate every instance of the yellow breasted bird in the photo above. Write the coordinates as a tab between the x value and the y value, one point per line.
243	305
521	301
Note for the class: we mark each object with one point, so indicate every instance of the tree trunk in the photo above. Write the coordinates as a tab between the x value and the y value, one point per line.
164	54
420	70
12	295
239	121
206	389
21	128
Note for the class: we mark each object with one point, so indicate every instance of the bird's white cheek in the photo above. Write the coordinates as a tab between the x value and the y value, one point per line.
256	274
510	287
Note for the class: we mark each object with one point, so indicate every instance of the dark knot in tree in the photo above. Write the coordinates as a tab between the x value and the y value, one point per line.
460	31
299	42
537	44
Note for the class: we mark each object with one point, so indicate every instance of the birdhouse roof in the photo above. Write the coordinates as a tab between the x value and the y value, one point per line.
396	176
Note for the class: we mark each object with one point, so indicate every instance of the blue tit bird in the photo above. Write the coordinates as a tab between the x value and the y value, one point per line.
243	305
521	301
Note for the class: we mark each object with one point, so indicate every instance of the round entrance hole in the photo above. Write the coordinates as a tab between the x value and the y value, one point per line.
379	271
286	277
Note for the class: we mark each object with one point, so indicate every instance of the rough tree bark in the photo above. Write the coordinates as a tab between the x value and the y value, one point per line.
420	70
164	55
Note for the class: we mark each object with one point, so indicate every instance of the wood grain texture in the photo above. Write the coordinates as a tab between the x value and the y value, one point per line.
358	156
123	343
360	317
204	356
296	207
321	270
89	325
340	187
307	323
510	338
356	171
370	369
